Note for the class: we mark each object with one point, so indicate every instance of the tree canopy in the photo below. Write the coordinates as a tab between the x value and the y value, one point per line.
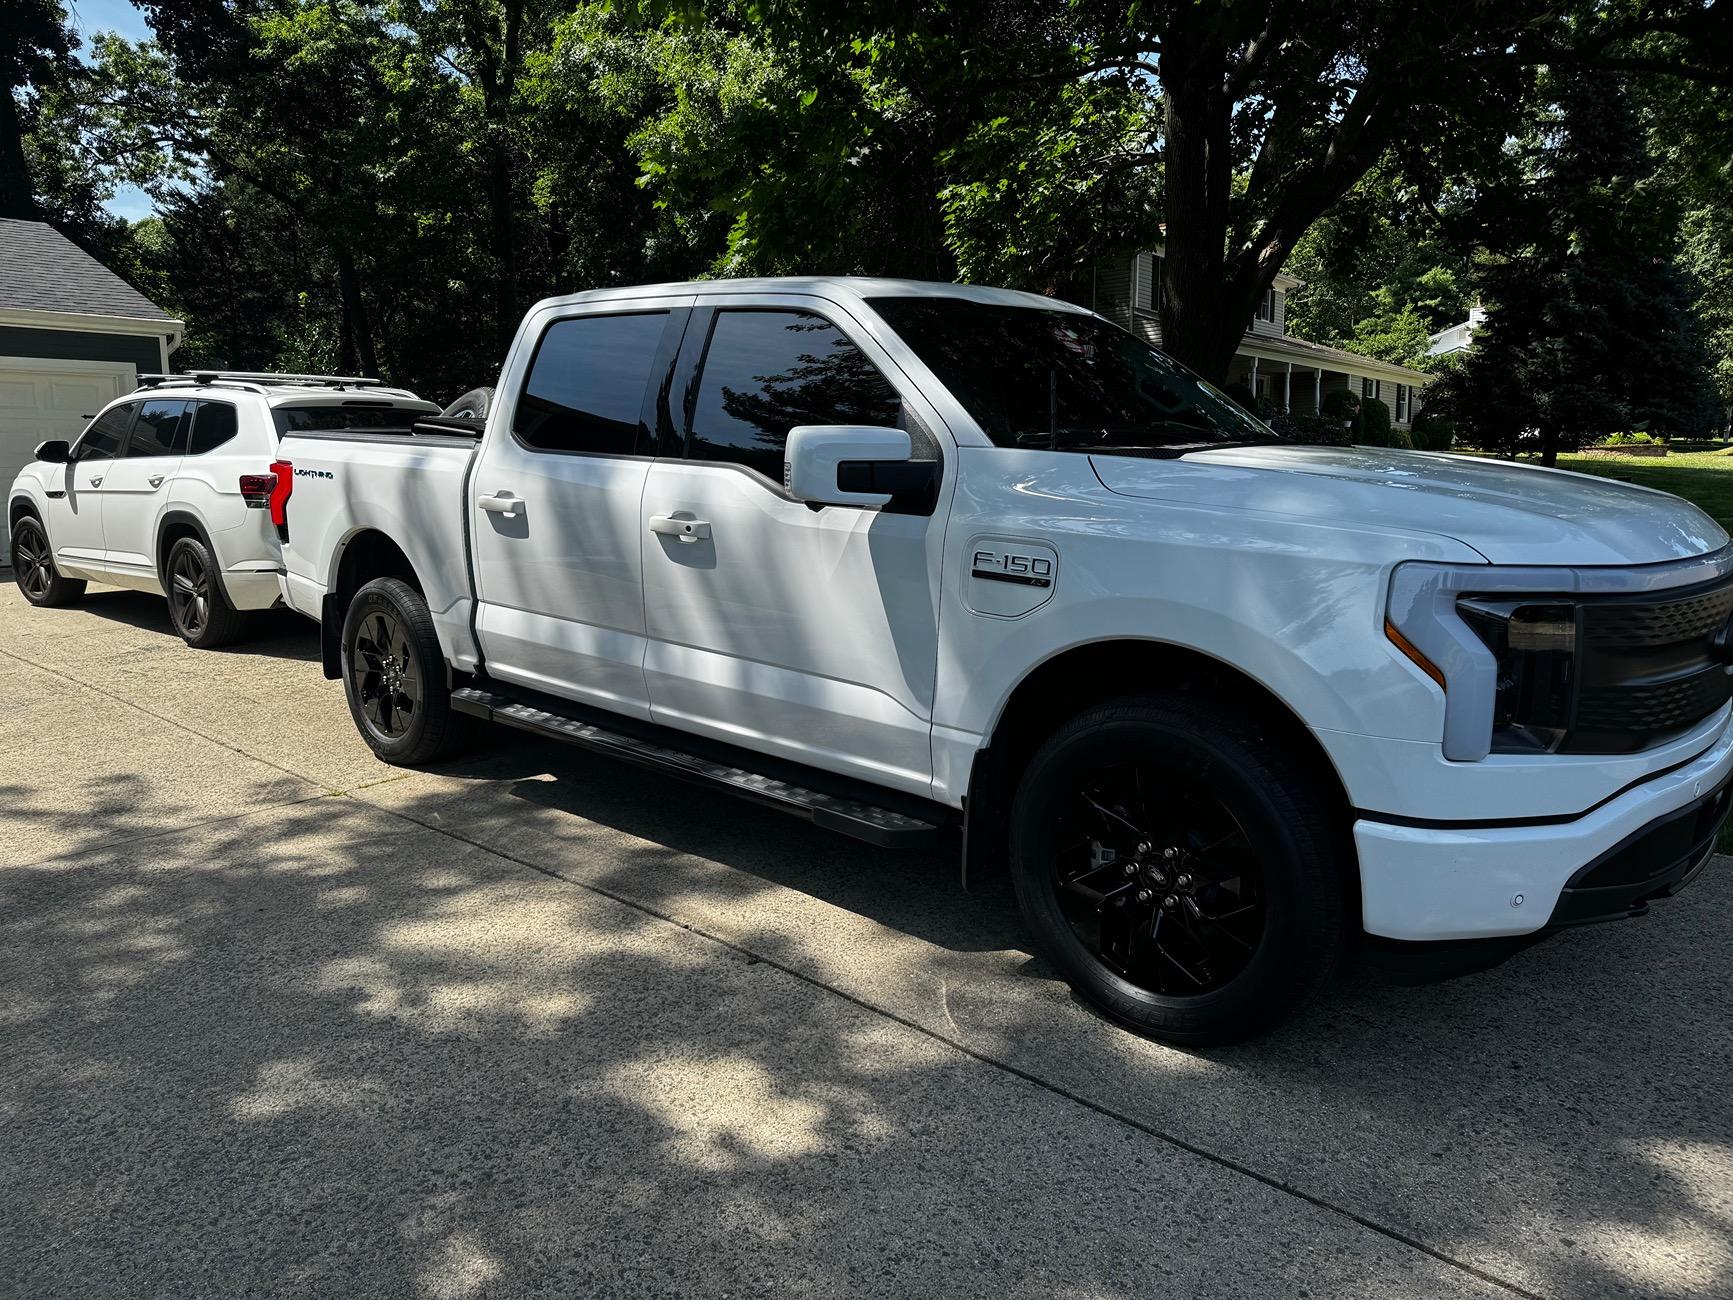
387	184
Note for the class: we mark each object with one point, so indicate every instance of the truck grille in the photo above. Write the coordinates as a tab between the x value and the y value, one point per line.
1650	667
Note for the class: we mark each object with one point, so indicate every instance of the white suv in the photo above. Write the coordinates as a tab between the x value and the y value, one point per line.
169	491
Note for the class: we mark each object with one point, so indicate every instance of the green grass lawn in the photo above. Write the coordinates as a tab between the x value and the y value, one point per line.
1704	478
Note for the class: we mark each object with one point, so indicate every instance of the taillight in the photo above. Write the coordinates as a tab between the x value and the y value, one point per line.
284	473
256	490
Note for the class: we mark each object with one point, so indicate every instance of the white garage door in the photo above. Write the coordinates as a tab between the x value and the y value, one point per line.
49	399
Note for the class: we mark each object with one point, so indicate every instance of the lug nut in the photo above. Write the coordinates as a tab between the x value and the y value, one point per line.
1131	868
1170	902
1143	848
1143	895
1184	882
1170	854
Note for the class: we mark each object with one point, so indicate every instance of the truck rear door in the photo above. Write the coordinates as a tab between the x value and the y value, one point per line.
556	496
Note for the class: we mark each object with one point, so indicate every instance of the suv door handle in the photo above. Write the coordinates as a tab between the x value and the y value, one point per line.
501	503
155	480
687	529
97	481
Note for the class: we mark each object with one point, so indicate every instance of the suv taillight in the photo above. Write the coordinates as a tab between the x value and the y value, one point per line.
279	500
256	490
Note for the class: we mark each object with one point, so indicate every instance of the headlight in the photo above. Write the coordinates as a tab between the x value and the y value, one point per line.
1534	646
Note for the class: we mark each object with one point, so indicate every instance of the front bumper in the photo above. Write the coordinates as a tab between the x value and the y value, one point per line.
1446	882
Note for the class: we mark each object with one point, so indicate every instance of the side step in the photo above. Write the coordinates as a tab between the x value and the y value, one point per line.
783	786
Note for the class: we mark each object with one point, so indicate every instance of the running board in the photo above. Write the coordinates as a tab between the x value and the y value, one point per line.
606	734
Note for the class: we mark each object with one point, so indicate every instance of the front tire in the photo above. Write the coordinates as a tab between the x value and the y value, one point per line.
198	606
394	676
1178	867
33	567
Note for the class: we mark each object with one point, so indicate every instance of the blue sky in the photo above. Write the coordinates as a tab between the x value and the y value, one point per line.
90	17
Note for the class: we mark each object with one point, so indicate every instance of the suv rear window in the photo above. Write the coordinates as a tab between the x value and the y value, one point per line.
370	417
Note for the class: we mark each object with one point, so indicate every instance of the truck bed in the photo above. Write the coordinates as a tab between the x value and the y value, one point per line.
409	487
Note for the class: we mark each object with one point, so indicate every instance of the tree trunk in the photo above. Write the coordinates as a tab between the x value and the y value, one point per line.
1549	440
499	85
355	311
17	194
1196	328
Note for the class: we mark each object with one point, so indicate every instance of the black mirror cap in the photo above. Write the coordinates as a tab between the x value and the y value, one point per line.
56	451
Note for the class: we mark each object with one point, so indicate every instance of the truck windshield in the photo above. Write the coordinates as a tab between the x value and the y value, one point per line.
1034	377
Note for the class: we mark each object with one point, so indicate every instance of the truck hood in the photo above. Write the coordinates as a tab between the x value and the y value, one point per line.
1511	514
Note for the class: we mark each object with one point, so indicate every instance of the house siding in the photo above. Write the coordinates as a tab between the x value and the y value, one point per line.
143	351
1113	289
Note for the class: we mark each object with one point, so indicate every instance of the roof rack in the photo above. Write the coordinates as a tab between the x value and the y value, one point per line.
256	379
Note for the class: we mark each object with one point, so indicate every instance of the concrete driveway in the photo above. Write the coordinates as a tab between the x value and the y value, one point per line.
277	1019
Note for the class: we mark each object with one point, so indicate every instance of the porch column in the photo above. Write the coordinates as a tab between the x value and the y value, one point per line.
1288	389
1253	384
1317	390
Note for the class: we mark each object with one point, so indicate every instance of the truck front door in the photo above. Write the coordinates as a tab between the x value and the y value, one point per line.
809	633
554	501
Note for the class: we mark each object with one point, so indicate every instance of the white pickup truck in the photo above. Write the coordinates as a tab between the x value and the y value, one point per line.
904	558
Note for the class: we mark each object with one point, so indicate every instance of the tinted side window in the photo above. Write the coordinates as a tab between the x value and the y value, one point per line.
586	385
102	439
767	371
213	424
160	430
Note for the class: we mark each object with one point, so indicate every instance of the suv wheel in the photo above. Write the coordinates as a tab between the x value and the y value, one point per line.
394	676
33	566
1178	868
197	604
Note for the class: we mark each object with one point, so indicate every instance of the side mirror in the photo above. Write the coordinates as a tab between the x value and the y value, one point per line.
56	451
853	465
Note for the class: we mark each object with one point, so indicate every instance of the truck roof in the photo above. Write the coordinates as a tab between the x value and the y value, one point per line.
844	287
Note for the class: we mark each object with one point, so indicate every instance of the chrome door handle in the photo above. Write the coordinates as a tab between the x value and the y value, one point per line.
97	481
501	503
155	480
687	529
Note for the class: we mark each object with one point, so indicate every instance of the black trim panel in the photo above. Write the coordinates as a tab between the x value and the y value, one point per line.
835	803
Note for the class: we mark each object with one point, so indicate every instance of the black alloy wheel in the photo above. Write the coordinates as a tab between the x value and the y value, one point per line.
395	677
31	561
198	606
1157	879
33	566
384	674
1180	862
189	593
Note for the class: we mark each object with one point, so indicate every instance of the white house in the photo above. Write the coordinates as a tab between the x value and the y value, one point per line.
1458	338
73	336
1291	374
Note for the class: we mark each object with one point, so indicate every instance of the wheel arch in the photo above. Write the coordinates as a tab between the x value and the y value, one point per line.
1092	672
173	524
365	554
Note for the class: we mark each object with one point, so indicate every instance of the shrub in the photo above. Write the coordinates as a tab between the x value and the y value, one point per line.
1616	439
1341	404
1372	428
1312	429
1433	432
1401	438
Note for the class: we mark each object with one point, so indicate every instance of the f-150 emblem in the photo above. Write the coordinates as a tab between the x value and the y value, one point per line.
1009	576
1012	566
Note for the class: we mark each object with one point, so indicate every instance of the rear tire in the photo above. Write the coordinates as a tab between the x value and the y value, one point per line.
198	606
33	567
394	677
473	405
1177	865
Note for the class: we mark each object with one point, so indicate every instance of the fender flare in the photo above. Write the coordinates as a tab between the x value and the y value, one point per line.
173	517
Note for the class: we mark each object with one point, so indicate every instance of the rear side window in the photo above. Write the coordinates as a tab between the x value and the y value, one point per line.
214	423
102	439
365	417
766	372
160	430
585	389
